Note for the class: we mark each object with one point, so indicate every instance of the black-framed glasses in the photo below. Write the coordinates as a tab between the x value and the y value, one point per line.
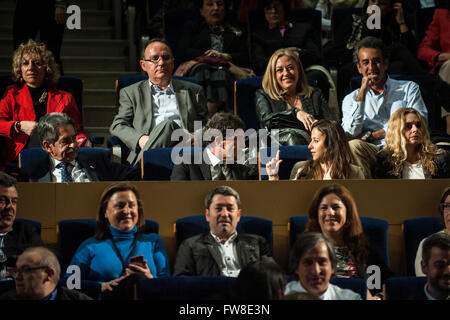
155	59
445	206
16	272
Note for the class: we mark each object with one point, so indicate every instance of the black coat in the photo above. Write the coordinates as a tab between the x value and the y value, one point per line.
203	172
22	236
266	41
63	294
199	254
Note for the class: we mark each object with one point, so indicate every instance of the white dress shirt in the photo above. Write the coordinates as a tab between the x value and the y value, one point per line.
164	104
77	173
230	263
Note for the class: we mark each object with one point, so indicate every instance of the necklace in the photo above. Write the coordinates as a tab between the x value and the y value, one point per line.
289	100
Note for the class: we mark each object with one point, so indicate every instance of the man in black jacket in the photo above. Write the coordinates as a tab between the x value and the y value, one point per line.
37	276
15	236
222	251
220	159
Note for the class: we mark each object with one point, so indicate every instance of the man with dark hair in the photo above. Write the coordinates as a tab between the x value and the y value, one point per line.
64	163
436	266
15	236
366	111
313	260
151	110
220	158
37	276
222	251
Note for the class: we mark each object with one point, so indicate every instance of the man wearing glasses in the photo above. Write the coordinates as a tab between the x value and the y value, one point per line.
37	276
150	110
15	236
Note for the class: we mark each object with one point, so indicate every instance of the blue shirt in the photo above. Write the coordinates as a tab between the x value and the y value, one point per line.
99	262
165	104
374	112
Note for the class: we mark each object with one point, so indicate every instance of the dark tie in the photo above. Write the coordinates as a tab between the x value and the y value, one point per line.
65	176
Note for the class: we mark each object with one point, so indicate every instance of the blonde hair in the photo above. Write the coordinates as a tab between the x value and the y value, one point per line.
39	51
269	82
395	144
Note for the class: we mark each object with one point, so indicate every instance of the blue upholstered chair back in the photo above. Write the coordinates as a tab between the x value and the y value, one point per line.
244	101
375	230
414	231
290	156
7	285
187	227
35	223
72	232
404	288
184	288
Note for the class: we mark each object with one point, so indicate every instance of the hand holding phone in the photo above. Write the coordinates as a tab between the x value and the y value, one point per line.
138	260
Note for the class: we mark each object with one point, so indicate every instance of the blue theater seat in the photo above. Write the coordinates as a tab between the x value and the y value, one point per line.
190	226
290	156
184	288
72	232
404	288
414	231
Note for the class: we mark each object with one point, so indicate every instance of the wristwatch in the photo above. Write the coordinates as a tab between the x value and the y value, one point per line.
17	126
368	135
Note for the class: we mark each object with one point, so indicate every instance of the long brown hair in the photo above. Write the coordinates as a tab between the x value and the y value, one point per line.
353	235
102	231
337	153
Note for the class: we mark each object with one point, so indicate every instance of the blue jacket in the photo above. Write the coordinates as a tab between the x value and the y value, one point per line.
99	262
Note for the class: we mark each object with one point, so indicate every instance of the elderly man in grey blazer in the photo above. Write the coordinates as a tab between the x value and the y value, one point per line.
150	110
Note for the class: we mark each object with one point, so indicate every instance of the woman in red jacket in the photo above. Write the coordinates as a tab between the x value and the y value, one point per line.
33	95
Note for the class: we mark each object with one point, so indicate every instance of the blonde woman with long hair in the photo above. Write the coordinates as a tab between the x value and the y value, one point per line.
408	152
287	102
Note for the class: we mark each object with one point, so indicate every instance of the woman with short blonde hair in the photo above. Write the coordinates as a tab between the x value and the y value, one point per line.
286	102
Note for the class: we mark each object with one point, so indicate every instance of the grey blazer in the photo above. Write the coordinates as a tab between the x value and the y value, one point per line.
135	116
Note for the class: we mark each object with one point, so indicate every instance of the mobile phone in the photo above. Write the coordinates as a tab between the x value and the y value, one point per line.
139	260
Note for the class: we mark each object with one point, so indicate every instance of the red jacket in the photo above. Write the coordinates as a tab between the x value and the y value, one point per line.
17	105
437	39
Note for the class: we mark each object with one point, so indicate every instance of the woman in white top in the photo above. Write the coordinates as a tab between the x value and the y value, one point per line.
331	156
444	209
408	152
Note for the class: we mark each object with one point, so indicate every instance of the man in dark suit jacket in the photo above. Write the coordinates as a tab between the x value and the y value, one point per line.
220	157
64	162
222	251
15	236
152	109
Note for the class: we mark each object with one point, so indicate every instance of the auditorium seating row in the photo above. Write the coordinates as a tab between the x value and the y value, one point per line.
72	232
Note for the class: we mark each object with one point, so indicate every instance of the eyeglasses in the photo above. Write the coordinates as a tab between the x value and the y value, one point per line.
445	206
155	59
16	272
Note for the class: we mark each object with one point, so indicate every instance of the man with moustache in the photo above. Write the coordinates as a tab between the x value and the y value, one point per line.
436	266
366	111
150	110
314	261
65	163
222	251
15	236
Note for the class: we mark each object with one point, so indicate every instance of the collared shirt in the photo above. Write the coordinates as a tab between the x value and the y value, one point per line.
77	173
164	104
374	112
427	3
3	257
230	263
429	296
332	293
52	296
